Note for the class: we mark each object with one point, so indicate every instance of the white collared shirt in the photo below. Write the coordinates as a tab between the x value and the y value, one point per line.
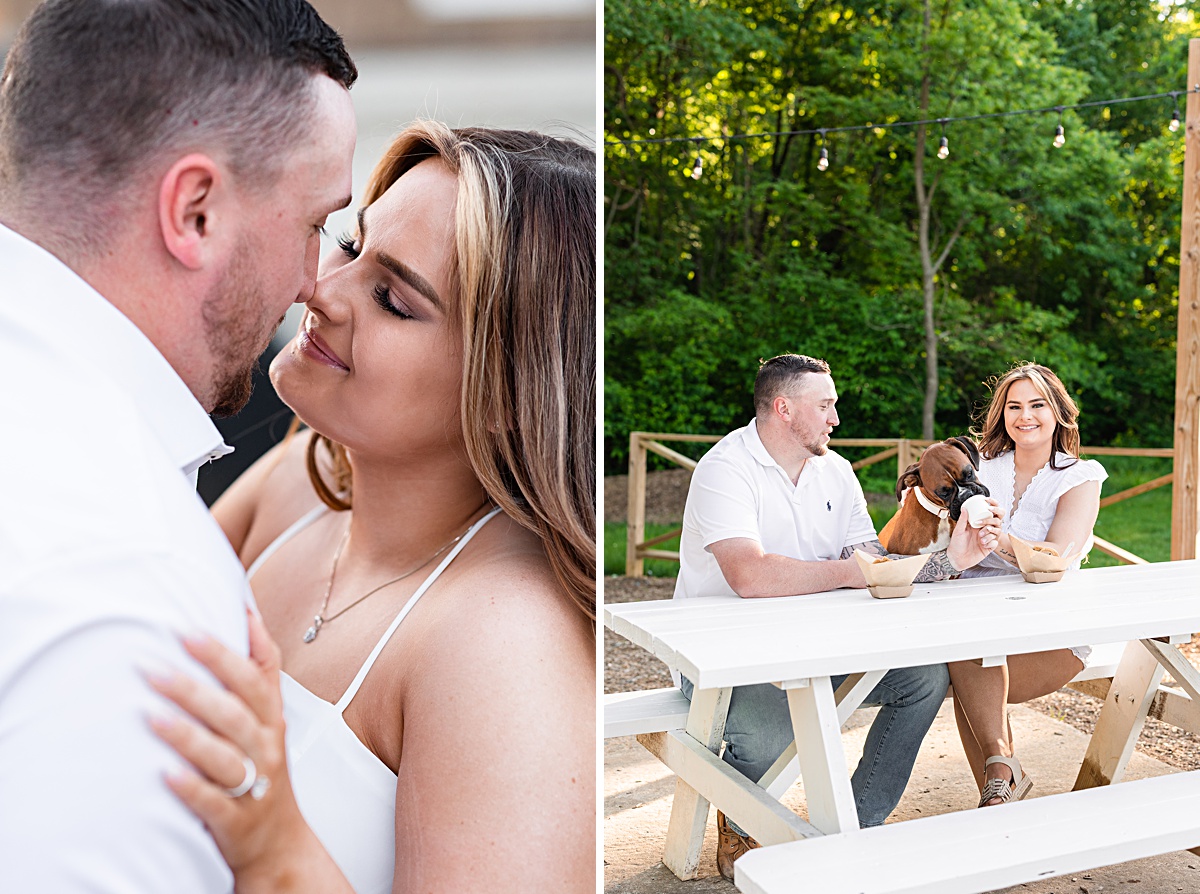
107	555
738	490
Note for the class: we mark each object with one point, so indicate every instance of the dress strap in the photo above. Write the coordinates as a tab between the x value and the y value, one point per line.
348	695
295	528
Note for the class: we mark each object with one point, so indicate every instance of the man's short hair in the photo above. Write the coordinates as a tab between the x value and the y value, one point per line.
781	375
94	91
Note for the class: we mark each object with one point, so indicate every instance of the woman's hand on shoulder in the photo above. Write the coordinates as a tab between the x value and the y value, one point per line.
239	785
497	773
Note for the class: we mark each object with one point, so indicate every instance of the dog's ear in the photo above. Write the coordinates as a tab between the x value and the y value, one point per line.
910	478
967	446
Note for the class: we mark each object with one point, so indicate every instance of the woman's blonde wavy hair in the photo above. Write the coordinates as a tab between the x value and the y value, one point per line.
994	439
523	274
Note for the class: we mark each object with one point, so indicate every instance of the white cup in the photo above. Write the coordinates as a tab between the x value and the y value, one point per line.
977	509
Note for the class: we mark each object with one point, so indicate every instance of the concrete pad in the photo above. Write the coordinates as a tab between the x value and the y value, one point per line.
638	791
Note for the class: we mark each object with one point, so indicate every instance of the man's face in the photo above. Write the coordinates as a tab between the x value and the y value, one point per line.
275	261
812	413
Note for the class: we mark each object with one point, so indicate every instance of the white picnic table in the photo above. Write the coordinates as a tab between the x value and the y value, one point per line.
800	642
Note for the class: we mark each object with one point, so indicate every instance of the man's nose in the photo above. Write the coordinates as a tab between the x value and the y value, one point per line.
312	258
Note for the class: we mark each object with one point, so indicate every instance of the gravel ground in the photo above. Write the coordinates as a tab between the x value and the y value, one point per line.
628	667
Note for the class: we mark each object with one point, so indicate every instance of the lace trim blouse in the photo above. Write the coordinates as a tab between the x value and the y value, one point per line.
1039	503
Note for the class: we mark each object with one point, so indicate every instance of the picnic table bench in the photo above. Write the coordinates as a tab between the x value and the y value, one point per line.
799	642
659	710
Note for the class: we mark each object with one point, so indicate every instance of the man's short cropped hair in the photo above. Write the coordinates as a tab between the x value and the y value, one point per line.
781	375
95	91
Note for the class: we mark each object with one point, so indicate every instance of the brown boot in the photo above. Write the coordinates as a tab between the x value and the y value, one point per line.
730	846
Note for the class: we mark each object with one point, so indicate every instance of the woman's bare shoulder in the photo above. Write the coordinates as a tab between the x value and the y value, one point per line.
509	662
505	604
266	498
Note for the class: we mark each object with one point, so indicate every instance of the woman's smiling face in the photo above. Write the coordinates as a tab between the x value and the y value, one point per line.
1028	416
376	365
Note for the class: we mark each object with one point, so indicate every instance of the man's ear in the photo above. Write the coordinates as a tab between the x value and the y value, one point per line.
781	407
187	208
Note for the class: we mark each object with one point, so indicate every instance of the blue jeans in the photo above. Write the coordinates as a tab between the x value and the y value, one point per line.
759	728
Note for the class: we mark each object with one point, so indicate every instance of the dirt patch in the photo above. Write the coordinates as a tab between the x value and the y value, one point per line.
628	667
666	492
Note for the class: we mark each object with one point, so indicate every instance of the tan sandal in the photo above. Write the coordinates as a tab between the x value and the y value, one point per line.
1002	789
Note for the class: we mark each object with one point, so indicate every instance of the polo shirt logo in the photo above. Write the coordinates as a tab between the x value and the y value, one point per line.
828	506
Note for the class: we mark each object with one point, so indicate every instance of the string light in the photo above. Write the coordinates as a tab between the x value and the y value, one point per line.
1174	125
1060	138
698	167
944	146
823	161
895	125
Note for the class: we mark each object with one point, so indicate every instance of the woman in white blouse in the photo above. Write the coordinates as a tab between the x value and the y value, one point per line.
1048	496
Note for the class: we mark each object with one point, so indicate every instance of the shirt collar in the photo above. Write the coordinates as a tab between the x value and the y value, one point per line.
59	308
758	450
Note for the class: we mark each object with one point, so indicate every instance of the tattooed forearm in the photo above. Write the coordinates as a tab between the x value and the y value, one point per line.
870	547
939	567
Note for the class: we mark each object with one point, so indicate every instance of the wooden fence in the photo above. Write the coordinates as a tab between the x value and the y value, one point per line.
905	450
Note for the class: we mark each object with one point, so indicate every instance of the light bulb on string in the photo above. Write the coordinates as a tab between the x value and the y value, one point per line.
944	145
1060	137
1174	125
823	161
698	167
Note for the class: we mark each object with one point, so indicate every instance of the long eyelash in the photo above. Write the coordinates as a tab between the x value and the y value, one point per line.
383	297
346	244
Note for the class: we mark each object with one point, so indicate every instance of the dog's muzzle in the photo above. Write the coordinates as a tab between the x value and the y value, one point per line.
964	493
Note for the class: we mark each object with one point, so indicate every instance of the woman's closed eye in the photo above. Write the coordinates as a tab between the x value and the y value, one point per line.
349	246
381	293
383	297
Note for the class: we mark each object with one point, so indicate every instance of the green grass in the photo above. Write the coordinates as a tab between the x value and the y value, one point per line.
614	550
1141	525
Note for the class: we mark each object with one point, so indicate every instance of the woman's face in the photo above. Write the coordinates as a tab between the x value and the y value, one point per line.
375	365
1028	417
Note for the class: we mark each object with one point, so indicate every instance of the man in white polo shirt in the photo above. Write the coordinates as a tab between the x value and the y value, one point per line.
771	512
165	169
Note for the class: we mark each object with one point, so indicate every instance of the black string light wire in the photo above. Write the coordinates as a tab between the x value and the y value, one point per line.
944	145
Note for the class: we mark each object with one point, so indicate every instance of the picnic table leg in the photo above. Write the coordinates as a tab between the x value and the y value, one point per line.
822	761
1122	717
849	698
689	810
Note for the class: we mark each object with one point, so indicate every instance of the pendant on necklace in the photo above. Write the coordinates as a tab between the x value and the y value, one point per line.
311	633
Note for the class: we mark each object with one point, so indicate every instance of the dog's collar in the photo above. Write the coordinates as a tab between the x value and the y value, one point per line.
927	504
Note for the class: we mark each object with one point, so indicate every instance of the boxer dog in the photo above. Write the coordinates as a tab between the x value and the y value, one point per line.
936	486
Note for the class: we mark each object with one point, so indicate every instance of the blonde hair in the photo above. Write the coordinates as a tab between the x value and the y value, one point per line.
523	273
994	439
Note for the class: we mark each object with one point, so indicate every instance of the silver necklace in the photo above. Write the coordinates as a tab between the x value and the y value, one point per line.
320	619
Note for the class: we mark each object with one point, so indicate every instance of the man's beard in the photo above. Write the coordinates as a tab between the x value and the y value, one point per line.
233	330
816	448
